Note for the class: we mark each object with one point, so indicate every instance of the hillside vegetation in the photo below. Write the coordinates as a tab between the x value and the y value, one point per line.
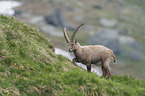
29	66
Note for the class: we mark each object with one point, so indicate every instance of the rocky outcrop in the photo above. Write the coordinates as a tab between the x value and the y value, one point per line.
129	47
108	22
56	18
128	41
97	7
51	30
37	20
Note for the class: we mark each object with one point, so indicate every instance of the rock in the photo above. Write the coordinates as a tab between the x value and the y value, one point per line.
130	47
56	18
116	0
18	12
144	37
89	27
108	23
78	18
27	15
6	7
108	38
97	7
78	10
126	31
37	20
128	41
68	5
134	56
80	4
119	7
59	51
51	30
124	17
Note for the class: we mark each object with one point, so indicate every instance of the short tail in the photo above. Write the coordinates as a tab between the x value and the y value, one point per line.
114	58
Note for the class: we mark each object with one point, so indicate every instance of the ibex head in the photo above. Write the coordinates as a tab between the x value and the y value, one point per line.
72	43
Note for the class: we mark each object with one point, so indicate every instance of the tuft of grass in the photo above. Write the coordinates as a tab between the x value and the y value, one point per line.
29	66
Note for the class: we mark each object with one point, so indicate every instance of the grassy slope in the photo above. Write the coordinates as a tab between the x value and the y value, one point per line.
129	14
28	66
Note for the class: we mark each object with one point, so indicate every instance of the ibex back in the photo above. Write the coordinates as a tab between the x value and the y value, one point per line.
92	54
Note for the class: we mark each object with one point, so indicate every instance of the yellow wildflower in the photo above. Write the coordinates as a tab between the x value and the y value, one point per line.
62	74
17	68
38	55
15	63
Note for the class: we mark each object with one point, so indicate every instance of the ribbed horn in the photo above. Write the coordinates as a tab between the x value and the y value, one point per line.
74	33
65	36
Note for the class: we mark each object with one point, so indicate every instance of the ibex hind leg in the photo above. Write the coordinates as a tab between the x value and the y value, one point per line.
104	71
106	67
107	71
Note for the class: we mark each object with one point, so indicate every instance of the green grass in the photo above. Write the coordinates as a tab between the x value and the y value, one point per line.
28	66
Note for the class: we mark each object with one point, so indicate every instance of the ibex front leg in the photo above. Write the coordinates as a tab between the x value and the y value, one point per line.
89	67
74	61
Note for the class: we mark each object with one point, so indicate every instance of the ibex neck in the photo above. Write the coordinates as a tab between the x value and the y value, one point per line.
78	52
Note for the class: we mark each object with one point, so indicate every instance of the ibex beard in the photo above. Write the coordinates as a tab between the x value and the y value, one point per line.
92	54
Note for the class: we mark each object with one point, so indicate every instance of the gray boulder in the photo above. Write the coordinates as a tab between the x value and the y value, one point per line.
97	7
37	20
18	12
129	49
126	31
108	38
128	41
56	18
78	10
78	18
51	30
108	22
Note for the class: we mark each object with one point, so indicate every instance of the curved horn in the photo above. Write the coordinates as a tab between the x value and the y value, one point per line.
65	36
74	33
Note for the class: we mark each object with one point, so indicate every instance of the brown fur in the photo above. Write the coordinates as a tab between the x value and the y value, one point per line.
92	54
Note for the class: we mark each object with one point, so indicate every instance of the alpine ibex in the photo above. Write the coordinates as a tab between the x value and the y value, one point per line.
92	54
